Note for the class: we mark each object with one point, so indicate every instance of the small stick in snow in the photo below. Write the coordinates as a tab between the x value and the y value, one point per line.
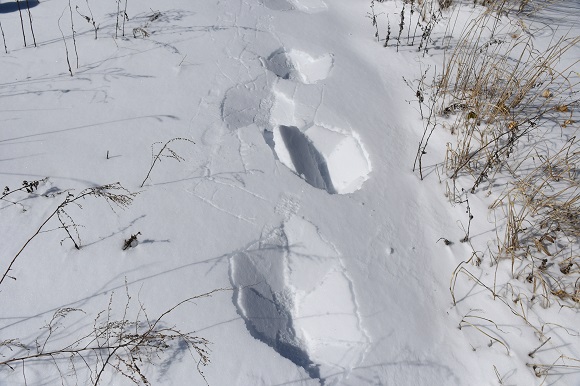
531	354
169	154
65	46
21	21
117	24
3	38
72	26
125	17
30	18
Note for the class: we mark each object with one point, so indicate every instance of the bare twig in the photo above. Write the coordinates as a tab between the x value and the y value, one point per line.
91	19
121	345
30	19
125	17
65	45
531	354
21	21
3	38
72	26
111	193
117	23
165	152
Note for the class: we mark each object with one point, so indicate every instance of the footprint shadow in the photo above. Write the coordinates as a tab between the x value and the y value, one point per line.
306	159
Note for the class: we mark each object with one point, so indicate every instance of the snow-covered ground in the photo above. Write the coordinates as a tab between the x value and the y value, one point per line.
294	194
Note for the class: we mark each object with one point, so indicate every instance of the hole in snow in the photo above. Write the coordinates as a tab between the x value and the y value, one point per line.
303	157
311	69
294	295
300	66
329	159
279	63
264	302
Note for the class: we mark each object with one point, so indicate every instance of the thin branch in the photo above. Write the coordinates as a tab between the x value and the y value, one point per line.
160	154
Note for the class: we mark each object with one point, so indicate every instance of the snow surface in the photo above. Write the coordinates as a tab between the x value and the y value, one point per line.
288	102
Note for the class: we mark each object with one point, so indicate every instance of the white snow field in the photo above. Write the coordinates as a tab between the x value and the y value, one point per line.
279	137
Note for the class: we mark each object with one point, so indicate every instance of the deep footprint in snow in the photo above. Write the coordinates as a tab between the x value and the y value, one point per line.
327	158
303	158
264	301
292	291
298	65
252	102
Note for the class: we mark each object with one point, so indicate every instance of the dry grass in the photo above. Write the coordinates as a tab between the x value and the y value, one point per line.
125	347
511	105
543	226
498	89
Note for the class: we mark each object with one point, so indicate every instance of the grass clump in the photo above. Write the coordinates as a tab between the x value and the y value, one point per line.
123	346
509	103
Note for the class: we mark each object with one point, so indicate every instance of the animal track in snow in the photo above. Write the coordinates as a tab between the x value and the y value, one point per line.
327	158
288	205
292	291
300	66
